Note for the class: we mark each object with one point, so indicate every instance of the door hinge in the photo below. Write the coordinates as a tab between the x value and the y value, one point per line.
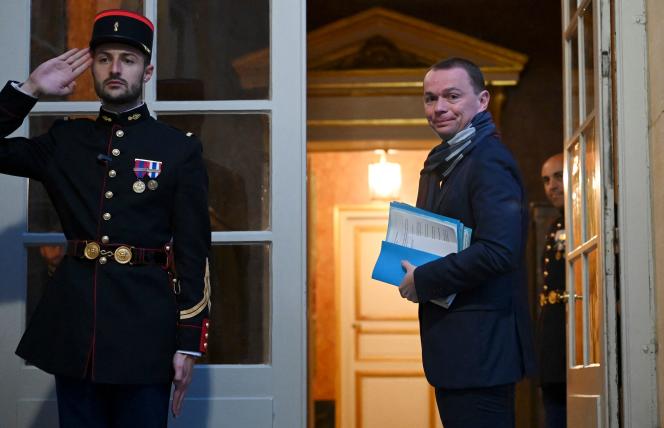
606	64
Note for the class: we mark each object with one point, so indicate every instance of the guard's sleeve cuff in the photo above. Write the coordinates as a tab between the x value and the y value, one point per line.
193	337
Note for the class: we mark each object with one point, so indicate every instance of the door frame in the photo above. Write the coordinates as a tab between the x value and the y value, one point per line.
634	235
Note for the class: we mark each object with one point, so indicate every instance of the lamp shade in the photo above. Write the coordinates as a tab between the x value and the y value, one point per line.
384	179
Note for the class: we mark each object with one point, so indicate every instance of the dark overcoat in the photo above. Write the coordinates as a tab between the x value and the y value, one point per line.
485	337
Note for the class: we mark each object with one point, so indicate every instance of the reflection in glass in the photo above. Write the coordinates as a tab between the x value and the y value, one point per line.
589	54
236	148
68	25
572	8
240	314
42	262
592	183
577	304
41	214
574	47
213	49
594	309
576	193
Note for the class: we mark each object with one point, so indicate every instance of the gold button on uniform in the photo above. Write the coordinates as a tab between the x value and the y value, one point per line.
102	260
112	173
105	239
106	216
116	152
108	194
119	133
546	273
546	260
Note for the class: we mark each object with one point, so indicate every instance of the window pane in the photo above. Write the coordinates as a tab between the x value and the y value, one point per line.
574	47
589	54
240	315
213	50
577	305
42	261
236	148
69	25
594	309
592	183
575	188
41	214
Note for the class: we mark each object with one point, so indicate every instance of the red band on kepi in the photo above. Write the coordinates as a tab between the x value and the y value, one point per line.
120	12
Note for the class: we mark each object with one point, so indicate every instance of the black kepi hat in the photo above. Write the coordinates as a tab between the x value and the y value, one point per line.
122	26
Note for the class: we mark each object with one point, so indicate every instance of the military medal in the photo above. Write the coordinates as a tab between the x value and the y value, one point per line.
143	167
147	167
138	186
153	173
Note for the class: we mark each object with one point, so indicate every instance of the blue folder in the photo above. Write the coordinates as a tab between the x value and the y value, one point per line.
388	266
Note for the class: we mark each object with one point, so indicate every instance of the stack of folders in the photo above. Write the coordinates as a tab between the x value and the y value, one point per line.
418	236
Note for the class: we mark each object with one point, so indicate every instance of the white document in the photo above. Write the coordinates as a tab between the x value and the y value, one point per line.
412	230
427	233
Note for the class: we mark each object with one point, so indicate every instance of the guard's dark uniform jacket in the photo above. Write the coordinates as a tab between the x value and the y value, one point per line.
113	322
551	322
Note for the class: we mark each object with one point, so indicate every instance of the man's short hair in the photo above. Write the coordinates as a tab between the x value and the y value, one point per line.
474	72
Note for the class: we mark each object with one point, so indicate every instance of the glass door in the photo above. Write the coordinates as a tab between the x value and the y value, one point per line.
233	73
589	215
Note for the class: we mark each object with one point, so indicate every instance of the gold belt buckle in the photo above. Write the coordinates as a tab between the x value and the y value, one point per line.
91	251
122	255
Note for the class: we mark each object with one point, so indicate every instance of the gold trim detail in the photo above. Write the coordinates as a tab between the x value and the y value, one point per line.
205	301
134	116
122	255
92	250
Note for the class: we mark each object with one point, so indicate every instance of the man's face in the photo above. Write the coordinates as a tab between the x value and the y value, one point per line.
450	102
119	72
552	177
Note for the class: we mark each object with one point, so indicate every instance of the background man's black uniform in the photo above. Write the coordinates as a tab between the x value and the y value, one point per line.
112	322
551	335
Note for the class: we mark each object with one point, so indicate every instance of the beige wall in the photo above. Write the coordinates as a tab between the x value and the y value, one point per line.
340	178
655	31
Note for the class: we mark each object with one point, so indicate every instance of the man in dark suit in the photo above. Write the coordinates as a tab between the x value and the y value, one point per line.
115	324
475	351
551	335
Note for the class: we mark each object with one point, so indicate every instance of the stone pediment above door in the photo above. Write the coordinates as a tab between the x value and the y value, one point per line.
353	62
379	38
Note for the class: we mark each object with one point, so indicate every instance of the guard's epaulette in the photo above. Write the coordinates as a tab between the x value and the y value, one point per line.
185	133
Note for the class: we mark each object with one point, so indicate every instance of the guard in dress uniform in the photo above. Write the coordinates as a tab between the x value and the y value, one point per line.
551	333
126	312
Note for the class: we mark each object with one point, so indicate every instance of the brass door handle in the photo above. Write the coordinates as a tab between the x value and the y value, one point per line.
565	297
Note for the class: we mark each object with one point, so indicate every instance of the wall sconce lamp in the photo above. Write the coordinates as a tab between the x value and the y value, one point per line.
384	178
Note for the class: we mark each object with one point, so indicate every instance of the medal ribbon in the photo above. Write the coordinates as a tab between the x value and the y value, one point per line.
149	167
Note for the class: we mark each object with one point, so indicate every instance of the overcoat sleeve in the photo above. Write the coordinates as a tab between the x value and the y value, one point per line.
496	197
191	240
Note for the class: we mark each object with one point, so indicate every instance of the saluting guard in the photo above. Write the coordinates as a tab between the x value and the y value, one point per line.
126	312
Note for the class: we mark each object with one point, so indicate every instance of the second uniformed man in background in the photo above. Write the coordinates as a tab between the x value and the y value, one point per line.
551	320
115	325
